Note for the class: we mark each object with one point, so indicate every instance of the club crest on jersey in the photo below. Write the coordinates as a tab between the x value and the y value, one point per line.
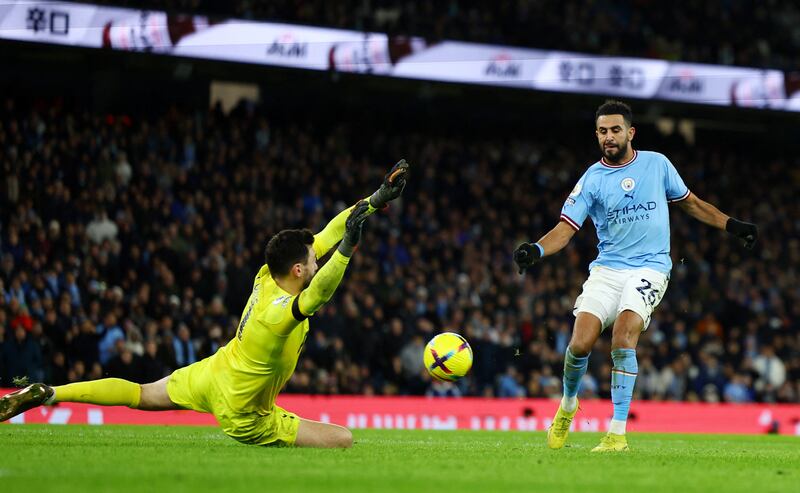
627	184
577	190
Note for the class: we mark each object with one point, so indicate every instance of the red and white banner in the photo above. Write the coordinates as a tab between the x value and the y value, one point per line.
318	48
464	413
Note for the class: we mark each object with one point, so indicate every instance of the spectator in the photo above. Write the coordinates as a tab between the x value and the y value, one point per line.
184	347
126	365
674	381
134	342
109	333
101	228
738	389
710	378
22	357
123	170
152	367
215	340
443	389
771	373
59	372
508	384
22	319
412	365
83	344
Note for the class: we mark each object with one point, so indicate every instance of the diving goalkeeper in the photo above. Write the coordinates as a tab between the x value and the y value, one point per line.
239	383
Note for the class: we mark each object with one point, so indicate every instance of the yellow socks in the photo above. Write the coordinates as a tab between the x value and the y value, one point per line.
105	392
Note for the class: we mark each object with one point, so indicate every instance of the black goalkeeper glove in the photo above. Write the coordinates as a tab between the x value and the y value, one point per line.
745	231
526	255
392	186
352	228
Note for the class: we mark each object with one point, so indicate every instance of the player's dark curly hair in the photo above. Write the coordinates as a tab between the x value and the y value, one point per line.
614	107
287	248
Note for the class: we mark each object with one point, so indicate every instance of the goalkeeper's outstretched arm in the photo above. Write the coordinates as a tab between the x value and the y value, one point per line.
390	189
325	282
332	233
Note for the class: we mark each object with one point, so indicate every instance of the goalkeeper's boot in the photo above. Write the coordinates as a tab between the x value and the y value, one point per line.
557	434
612	443
20	401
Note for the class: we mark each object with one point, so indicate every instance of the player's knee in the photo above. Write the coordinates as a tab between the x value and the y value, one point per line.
580	348
584	335
147	397
154	397
622	343
623	338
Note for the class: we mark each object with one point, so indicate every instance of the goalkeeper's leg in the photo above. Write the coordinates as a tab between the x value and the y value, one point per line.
104	392
117	392
322	435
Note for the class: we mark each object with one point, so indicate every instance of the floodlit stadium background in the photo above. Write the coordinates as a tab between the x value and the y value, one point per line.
143	174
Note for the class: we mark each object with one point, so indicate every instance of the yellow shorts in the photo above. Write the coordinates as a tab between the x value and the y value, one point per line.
192	387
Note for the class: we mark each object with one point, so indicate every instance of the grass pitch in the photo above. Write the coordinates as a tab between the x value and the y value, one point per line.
42	458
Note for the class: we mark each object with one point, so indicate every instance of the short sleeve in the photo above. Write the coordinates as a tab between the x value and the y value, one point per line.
676	190
577	205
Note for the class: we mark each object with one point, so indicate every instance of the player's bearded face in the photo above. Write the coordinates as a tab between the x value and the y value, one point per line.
309	268
613	136
614	150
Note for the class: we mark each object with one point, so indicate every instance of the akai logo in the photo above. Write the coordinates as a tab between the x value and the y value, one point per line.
686	82
286	46
501	65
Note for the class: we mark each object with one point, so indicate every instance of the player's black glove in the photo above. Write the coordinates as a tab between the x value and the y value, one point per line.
392	186
745	231
352	228
526	255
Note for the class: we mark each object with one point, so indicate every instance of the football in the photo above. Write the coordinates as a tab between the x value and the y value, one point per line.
448	357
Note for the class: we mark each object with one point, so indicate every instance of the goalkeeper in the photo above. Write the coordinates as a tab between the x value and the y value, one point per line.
239	383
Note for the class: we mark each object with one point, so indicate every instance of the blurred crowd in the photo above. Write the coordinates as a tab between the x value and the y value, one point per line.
128	247
733	32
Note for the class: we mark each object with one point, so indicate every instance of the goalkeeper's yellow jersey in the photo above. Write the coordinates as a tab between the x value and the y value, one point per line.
250	371
255	365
